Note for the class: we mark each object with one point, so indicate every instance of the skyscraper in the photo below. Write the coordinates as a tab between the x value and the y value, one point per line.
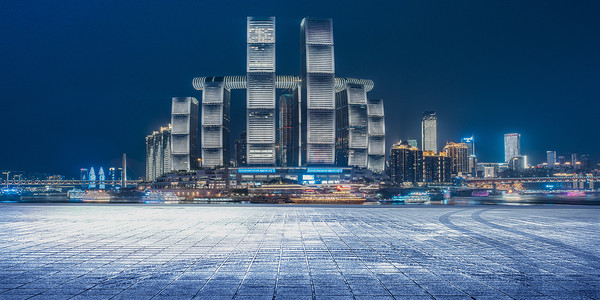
406	163
551	158
470	142
318	91
184	133
429	131
287	137
260	95
101	179
158	154
436	167
413	143
376	129
512	146
457	152
84	174
215	123
240	150
92	178
352	139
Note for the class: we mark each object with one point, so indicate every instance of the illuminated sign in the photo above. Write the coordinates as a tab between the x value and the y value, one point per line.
308	177
256	170
324	170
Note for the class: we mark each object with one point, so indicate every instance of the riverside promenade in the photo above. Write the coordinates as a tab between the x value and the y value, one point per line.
81	251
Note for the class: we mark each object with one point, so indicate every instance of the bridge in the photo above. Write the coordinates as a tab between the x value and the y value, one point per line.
64	183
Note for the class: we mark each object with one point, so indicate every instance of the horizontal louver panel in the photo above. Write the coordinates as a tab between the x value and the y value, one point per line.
376	146
261	91
180	124
376	126
357	158
212	137
180	144
357	116
212	115
261	127
319	59
212	157
321	91
358	138
321	126
320	154
318	31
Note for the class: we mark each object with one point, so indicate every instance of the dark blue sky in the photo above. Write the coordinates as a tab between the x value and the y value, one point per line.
83	81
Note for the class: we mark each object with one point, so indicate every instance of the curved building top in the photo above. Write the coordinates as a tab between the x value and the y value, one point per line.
281	82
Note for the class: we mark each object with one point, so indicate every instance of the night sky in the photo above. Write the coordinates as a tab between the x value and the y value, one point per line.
83	81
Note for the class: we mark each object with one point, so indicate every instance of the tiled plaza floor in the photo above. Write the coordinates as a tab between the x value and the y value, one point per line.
298	252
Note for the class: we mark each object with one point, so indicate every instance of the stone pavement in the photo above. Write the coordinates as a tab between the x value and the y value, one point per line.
298	252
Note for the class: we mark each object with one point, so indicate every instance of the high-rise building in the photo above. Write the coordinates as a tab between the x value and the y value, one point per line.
184	133
512	146
318	91
376	129
436	167
84	174
413	143
92	178
458	154
575	162
260	94
429	131
112	176
470	143
158	154
101	179
551	158
240	150
215	123
352	138
406	163
287	138
518	163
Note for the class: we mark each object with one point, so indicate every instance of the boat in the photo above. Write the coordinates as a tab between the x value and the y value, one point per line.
160	197
96	196
335	197
412	198
75	194
10	194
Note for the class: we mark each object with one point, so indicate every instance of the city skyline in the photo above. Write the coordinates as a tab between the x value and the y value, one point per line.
108	87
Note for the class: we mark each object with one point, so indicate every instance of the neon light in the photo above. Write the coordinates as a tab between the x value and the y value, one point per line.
324	170
256	170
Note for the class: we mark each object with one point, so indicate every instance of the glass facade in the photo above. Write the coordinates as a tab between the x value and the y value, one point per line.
429	131
184	133
512	146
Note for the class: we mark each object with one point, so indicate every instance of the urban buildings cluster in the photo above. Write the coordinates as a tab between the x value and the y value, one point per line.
319	120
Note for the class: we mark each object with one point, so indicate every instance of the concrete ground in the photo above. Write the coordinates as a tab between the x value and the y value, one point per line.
298	252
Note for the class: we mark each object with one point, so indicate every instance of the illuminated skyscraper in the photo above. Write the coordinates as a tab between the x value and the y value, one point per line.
84	174
551	158
406	163
512	146
352	138
215	123
470	142
429	131
158	154
436	168
184	133
376	129
92	178
260	95
318	91
287	130
101	179
458	157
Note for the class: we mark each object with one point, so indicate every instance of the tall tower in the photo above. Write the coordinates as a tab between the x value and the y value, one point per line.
551	158
512	146
351	126
318	91
215	123
376	129
260	95
92	178
101	179
429	131
184	134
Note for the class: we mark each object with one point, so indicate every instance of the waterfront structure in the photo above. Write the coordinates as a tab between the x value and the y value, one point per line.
429	131
551	158
436	167
458	154
260	93
101	179
406	163
287	131
512	146
184	133
317	101
240	150
158	154
92	178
